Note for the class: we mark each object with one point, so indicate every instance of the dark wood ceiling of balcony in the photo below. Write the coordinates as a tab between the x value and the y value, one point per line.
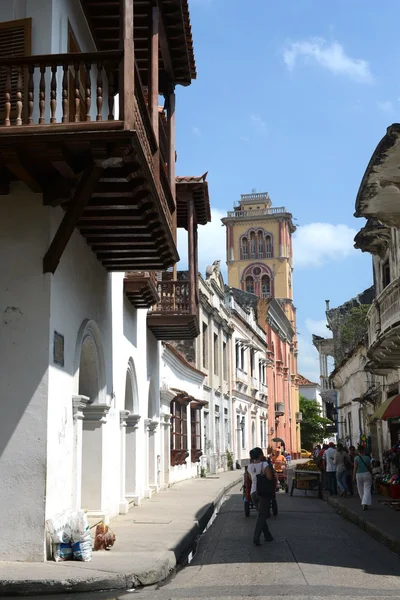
123	221
197	189
104	20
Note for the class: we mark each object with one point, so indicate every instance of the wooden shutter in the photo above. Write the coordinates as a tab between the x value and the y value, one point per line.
15	40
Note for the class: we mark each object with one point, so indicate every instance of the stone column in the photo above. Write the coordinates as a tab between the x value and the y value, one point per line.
165	448
123	503
93	481
78	404
131	491
151	457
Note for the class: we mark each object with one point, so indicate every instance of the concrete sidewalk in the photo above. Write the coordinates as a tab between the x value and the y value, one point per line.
380	521
150	540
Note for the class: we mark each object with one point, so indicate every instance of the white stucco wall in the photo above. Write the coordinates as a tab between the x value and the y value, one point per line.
24	351
176	375
80	291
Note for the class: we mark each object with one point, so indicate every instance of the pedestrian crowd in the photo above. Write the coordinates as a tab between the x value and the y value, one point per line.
341	468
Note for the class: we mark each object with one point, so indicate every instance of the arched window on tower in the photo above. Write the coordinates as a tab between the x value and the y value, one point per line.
250	284
260	244
268	247
252	245
245	249
265	286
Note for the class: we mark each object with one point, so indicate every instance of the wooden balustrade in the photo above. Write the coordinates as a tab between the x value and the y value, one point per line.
24	74
175	297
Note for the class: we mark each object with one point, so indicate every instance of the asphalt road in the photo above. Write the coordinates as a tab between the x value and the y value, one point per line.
315	555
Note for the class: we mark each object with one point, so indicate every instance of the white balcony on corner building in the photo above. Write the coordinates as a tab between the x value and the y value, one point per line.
384	330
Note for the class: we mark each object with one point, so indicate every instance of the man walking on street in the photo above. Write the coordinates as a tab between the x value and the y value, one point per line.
330	469
262	503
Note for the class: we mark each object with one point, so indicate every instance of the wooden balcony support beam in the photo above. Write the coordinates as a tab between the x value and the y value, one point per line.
127	68
191	258
75	210
153	83
16	163
164	46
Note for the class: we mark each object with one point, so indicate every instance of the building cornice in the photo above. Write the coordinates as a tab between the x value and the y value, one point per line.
176	361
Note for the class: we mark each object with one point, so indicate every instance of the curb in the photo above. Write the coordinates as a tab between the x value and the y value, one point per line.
383	537
121	581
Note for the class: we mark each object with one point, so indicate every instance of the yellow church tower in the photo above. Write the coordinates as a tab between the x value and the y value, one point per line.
259	247
260	260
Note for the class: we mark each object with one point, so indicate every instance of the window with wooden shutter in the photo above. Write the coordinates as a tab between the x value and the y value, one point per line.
15	41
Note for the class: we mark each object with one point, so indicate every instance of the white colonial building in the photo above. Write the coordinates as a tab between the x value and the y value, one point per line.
249	389
88	215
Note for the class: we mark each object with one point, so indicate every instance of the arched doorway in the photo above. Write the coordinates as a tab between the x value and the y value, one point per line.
91	383
129	425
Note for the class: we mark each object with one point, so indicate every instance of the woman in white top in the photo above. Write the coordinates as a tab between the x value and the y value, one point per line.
262	504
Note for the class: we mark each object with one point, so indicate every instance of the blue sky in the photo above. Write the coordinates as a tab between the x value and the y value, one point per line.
292	98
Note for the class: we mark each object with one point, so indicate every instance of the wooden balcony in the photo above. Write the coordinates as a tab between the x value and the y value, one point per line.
141	288
58	138
384	330
175	316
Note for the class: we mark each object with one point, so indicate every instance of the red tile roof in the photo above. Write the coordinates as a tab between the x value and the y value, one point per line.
304	381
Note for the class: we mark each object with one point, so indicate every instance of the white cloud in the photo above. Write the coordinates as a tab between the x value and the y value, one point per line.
196	131
211	244
317	243
318	327
386	106
330	56
308	362
259	125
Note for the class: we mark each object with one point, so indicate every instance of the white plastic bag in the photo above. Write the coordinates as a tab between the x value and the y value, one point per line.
79	526
60	528
81	536
83	550
62	552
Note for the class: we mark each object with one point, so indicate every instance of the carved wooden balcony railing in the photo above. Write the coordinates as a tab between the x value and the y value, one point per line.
57	121
175	315
41	89
174	297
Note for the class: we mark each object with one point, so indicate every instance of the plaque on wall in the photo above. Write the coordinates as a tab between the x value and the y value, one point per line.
58	349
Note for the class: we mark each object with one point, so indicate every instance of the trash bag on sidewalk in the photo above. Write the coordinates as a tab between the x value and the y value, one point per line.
81	536
70	535
60	528
62	552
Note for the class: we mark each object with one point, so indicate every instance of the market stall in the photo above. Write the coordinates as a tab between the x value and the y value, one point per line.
307	478
389	483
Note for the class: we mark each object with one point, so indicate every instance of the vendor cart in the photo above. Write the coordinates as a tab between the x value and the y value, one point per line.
308	481
282	478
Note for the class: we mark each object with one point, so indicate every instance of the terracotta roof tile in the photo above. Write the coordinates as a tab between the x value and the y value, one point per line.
304	381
